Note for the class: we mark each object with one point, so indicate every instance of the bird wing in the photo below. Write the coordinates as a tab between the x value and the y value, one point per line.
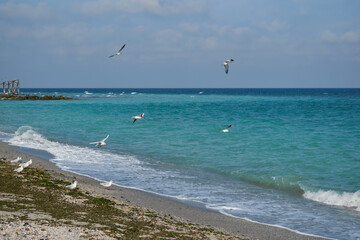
112	55
122	48
94	143
134	120
105	138
226	68
229	126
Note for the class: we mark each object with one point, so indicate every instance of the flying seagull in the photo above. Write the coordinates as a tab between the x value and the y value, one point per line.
107	184
72	186
119	52
226	65
226	129
140	116
16	160
100	143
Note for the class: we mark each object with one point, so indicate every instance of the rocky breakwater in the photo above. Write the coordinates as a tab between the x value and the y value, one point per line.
34	97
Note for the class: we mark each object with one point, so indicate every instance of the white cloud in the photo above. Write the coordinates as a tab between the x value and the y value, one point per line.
24	11
329	36
189	27
350	37
209	43
241	30
167	37
219	30
73	33
62	40
156	7
274	26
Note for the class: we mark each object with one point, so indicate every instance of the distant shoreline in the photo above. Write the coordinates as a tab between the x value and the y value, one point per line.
33	97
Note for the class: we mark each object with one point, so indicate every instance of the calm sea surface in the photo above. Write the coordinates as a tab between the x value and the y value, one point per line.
291	158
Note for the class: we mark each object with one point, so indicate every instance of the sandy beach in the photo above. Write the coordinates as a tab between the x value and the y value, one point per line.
181	211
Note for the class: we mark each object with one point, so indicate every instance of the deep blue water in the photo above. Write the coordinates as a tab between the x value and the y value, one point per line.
291	158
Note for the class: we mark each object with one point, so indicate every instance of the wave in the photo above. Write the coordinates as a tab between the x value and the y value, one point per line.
330	197
294	186
70	155
125	169
283	183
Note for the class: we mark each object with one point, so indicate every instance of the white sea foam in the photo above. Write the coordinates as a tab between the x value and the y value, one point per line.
93	161
26	136
345	199
223	209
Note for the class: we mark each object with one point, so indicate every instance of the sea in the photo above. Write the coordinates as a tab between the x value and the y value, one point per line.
291	158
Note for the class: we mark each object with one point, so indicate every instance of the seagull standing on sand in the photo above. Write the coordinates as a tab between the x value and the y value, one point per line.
119	52
226	129
19	169
100	143
107	184
226	65
25	165
140	116
72	186
16	160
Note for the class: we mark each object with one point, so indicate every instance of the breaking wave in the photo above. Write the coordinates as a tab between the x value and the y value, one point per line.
345	199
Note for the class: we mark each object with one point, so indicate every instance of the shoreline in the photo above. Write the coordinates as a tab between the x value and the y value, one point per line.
163	205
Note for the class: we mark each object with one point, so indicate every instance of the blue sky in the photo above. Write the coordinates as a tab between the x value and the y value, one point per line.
169	43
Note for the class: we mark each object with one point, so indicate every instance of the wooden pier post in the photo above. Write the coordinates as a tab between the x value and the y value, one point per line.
13	87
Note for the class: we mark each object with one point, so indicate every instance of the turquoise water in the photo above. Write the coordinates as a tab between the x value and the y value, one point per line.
291	158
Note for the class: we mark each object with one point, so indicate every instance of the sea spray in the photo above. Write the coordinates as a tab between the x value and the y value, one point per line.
344	199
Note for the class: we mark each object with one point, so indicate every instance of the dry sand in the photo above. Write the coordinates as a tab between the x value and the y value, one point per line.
164	206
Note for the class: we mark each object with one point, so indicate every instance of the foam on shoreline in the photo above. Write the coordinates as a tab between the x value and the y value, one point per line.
169	205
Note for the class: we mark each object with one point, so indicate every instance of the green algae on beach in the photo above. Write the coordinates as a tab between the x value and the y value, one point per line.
34	191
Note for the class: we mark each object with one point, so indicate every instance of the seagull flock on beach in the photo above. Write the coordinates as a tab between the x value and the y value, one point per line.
22	166
102	142
72	186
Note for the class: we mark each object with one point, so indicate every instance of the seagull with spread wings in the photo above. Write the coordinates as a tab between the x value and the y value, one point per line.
119	52
226	129
226	65
100	143
140	116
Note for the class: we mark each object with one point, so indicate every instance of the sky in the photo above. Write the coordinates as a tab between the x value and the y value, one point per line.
181	43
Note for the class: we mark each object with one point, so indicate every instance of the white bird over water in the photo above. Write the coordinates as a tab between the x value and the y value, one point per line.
119	52
226	129
100	143
19	169
72	186
140	116
25	165
226	65
16	160
107	184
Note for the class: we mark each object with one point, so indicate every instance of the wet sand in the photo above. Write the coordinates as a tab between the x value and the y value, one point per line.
166	206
